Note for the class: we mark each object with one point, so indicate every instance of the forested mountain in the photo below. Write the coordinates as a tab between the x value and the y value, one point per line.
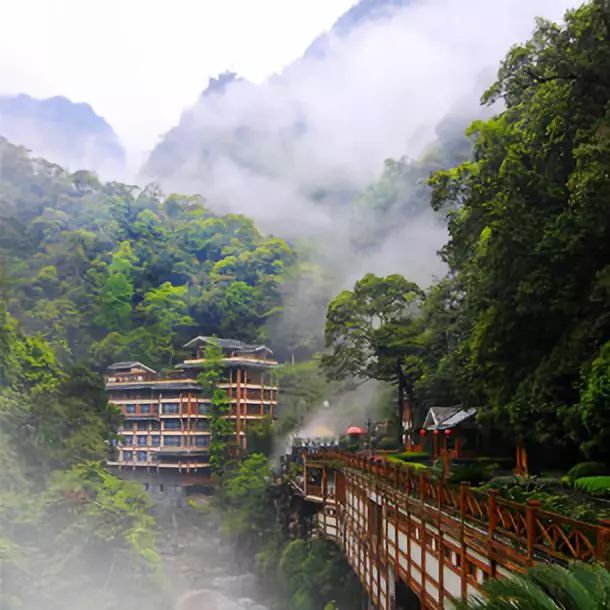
105	270
68	133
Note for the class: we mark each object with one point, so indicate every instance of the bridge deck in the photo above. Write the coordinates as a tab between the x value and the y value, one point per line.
442	541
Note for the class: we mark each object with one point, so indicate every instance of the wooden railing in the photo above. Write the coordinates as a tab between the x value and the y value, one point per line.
529	530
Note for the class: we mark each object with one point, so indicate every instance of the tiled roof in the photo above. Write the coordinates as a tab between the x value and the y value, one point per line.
447	417
230	344
129	365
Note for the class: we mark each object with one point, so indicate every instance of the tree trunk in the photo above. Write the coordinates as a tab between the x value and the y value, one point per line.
402	383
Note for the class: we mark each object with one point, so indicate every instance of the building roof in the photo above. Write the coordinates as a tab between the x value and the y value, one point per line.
130	364
441	418
255	363
160	384
458	418
229	344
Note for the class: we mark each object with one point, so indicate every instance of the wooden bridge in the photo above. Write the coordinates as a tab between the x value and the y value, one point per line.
406	534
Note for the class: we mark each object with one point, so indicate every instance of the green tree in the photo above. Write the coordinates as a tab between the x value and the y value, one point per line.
221	428
259	436
373	332
246	493
165	310
595	405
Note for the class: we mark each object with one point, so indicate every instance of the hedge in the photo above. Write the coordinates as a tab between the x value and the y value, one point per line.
595	486
587	469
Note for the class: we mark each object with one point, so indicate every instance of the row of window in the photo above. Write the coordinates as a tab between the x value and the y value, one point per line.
170	408
140	456
168	424
168	441
174	409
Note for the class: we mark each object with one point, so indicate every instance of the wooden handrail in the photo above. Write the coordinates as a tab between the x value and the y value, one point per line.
536	531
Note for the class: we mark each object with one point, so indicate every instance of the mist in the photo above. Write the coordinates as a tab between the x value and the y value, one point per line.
295	151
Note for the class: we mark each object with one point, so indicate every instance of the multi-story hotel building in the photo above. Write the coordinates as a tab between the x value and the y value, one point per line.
165	428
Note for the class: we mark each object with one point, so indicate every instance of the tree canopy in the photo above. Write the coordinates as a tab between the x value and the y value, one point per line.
372	332
529	246
108	271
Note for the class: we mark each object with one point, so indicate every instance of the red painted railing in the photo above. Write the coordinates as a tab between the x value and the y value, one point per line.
531	531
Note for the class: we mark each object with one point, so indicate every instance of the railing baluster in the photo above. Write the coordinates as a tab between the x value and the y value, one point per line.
530	516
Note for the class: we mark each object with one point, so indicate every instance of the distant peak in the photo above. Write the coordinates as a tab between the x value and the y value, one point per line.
220	84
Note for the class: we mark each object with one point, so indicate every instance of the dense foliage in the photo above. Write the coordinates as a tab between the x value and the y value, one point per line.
221	428
372	332
310	573
67	526
108	271
529	245
579	587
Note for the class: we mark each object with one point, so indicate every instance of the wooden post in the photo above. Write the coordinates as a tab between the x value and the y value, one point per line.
602	552
462	503
530	520
440	495
324	485
521	468
445	462
462	499
493	513
524	461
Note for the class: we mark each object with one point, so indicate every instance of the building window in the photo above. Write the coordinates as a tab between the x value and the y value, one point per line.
126	439
130	408
127	456
141	456
171	424
154	440
155	425
203	409
201	441
171	441
142	440
202	424
144	408
142	425
171	409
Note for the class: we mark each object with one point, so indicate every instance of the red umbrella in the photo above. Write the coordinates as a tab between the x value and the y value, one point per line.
354	431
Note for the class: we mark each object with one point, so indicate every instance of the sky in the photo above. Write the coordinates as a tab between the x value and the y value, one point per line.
139	63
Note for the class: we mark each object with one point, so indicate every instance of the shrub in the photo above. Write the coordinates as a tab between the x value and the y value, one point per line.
503	482
413	456
595	486
473	473
418	466
387	442
587	469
